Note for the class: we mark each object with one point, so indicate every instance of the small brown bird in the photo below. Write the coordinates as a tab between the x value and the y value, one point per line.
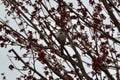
61	36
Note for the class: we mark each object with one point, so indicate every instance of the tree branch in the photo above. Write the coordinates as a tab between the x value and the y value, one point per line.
113	18
12	50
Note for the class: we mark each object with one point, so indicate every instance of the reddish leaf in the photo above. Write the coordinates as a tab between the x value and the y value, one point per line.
78	22
53	57
37	8
113	50
56	69
30	77
34	40
24	67
29	72
9	13
19	40
98	7
2	44
46	72
52	9
51	78
25	9
1	26
2	73
39	49
71	4
84	12
108	61
30	37
102	16
22	30
101	36
1	38
24	55
63	24
74	56
16	34
73	17
95	67
72	72
20	3
82	27
93	37
53	50
7	31
101	0
68	77
21	23
118	55
107	26
93	73
96	20
91	2
63	16
41	57
46	67
34	78
95	14
11	67
78	10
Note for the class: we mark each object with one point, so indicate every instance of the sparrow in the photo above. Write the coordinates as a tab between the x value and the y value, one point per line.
61	36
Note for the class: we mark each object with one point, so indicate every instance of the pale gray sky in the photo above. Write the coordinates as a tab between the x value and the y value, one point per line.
4	62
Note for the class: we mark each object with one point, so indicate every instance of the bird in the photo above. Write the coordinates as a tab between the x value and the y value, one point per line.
61	36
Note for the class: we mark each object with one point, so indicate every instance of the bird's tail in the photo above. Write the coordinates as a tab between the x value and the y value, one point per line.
62	48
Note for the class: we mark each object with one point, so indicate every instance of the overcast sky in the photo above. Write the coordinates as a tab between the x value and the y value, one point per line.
4	62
